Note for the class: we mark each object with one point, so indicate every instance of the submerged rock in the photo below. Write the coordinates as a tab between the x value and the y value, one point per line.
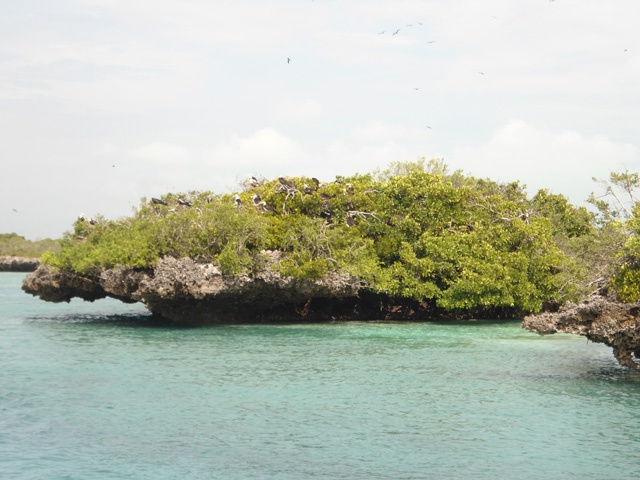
600	320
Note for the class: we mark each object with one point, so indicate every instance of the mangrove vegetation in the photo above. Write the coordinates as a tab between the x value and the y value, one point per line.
414	230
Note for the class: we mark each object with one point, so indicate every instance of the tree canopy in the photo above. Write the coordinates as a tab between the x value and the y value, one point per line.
413	231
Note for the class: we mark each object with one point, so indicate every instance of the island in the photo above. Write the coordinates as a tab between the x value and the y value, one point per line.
10	263
414	242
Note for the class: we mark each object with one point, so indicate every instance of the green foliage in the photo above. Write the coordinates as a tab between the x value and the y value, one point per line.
12	244
414	231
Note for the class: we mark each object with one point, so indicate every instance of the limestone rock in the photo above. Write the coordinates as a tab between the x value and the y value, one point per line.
198	294
18	264
601	320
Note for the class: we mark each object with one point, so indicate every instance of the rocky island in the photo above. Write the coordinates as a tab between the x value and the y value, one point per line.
599	319
407	244
18	264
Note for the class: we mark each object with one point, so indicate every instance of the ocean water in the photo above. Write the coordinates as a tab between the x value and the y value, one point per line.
98	391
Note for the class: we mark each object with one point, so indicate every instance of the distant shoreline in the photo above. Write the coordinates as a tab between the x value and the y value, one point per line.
18	264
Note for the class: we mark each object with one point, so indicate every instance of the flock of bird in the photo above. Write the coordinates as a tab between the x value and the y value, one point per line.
283	186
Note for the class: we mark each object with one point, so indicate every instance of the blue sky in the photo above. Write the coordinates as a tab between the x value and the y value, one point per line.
103	102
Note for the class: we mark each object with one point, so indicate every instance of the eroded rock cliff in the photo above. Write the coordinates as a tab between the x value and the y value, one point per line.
601	320
199	294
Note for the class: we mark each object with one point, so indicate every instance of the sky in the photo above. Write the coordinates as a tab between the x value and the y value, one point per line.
104	102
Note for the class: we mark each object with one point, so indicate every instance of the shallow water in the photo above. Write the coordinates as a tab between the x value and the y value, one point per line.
98	391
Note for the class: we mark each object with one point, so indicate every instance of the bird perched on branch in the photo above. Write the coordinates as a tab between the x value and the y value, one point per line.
286	182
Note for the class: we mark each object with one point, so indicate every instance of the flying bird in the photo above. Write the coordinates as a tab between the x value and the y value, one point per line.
288	60
395	33
14	210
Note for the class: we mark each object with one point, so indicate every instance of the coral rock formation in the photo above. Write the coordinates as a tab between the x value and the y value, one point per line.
600	320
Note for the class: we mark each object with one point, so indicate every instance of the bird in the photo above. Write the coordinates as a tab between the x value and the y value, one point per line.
382	32
349	189
395	33
307	189
14	210
237	201
92	221
316	181
253	181
81	217
288	60
256	199
428	127
158	201
184	202
265	207
286	183
481	73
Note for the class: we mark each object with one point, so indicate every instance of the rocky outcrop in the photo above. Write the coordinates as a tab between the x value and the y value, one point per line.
600	320
18	264
199	294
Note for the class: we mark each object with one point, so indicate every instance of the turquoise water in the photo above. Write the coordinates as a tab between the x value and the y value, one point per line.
97	391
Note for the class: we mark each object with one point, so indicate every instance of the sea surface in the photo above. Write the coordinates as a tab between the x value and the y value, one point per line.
100	391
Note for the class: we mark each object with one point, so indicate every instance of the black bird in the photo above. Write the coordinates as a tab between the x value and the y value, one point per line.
395	33
256	199
288	60
184	202
14	210
237	201
286	183
265	207
316	181
92	221
158	201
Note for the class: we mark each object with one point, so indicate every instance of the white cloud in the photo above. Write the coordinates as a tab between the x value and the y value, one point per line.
563	162
265	148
